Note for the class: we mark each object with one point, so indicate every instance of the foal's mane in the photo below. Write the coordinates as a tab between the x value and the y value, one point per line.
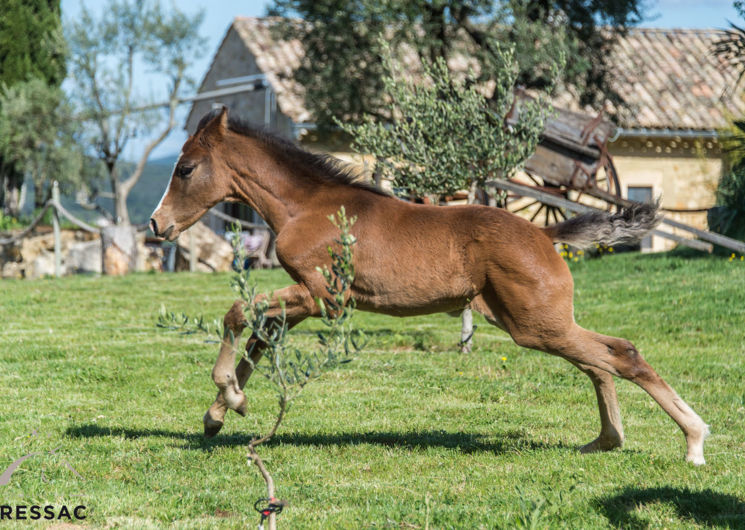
322	166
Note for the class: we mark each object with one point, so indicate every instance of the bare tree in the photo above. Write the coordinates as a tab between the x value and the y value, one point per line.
108	54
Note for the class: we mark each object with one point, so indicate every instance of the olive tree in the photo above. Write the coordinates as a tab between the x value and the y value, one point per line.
38	137
447	134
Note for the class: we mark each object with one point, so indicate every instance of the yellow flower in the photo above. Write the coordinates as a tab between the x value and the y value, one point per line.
571	255
610	249
504	358
742	258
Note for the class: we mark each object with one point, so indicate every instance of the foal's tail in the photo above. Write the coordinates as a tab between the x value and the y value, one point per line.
627	226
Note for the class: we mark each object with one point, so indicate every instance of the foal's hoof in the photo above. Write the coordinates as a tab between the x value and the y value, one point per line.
210	431
211	425
601	444
696	460
695	442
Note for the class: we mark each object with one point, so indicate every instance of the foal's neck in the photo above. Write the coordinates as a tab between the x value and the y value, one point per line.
266	182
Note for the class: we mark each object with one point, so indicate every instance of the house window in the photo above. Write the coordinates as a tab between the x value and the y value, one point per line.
642	194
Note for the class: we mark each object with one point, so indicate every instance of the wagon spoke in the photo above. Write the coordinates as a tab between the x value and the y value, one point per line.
554	214
538	211
525	207
535	180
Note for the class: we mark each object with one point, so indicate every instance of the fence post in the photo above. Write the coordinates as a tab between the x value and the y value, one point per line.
57	235
192	251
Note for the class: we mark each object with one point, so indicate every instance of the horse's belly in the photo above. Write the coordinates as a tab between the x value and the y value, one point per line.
418	293
406	309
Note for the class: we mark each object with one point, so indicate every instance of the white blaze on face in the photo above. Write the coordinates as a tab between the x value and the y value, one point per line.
169	184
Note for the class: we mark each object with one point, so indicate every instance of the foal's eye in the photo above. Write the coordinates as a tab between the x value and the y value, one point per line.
184	171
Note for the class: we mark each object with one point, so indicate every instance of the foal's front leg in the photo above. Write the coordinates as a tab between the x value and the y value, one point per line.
299	304
224	373
215	415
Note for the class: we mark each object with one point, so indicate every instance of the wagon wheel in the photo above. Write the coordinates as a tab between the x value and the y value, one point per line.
599	194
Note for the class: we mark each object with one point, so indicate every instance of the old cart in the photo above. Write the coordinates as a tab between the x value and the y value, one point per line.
572	172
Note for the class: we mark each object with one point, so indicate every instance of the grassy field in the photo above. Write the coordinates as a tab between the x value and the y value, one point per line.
411	434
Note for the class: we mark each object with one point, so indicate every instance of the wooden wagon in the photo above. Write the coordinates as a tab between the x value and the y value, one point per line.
572	171
571	162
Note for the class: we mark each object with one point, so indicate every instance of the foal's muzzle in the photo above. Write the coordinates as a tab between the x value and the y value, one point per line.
154	227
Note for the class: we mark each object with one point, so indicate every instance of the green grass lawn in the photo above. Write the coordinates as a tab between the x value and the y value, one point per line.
411	434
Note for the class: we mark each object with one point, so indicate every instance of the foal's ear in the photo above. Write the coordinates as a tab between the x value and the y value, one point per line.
218	124
222	119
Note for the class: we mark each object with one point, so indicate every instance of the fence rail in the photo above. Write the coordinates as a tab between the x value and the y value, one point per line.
55	203
57	209
231	219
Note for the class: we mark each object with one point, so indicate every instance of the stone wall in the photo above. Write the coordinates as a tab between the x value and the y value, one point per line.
33	256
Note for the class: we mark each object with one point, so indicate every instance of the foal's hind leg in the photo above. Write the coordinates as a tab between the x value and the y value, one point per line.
611	428
547	327
620	357
230	379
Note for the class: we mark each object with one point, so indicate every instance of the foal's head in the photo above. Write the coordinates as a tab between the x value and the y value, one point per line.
200	179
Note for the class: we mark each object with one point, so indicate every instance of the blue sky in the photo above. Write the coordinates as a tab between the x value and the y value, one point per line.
689	13
219	13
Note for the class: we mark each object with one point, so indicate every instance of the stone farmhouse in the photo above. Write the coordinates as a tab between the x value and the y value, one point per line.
678	95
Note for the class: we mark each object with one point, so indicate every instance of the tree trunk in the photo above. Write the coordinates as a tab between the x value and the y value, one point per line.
12	194
120	208
39	195
121	214
119	241
119	249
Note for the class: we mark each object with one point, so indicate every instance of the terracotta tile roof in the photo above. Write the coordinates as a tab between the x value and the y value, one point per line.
277	59
668	77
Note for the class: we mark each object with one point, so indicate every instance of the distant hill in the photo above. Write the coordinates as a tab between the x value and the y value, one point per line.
144	196
148	191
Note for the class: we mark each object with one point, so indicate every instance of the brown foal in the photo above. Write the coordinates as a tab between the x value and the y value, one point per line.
409	260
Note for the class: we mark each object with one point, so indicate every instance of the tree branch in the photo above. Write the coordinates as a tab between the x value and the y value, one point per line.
128	184
256	459
94	207
100	116
258	462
